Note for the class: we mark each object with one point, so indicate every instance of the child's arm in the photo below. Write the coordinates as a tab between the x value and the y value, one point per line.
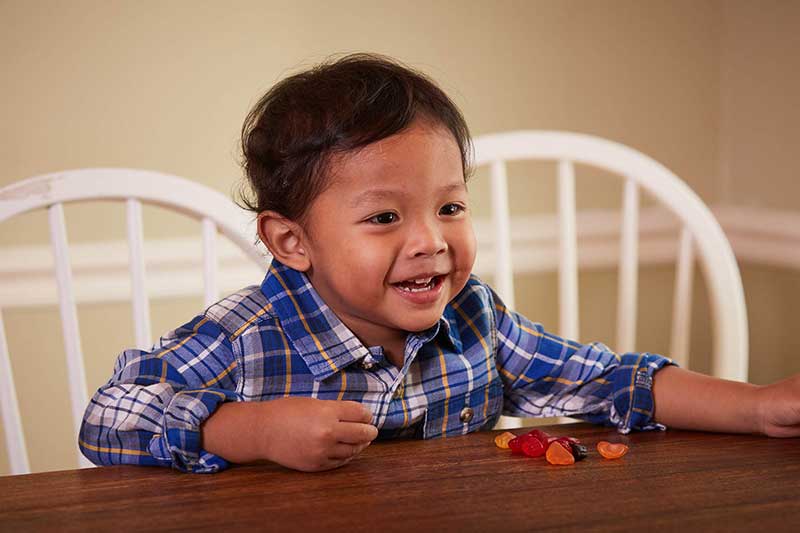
545	375
300	433
689	400
152	412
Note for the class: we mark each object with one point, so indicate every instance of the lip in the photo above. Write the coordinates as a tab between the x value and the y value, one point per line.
424	297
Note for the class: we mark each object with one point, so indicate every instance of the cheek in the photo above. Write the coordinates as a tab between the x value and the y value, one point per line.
360	260
465	248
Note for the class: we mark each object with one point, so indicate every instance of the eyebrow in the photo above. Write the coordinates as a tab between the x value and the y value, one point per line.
376	195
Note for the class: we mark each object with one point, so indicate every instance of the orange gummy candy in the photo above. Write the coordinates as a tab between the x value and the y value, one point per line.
501	441
611	451
557	454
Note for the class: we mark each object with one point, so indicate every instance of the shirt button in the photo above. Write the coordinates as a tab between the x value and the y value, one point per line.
367	365
466	414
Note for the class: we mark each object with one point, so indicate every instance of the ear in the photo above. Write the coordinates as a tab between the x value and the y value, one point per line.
284	239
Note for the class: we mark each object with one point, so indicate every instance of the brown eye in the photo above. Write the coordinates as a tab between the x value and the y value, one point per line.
383	218
451	209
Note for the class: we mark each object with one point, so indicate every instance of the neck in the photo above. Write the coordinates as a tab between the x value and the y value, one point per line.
395	354
393	341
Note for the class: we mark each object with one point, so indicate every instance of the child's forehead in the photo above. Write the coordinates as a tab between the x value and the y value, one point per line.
420	148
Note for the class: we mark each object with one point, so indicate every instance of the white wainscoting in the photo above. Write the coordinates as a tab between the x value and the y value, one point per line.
174	267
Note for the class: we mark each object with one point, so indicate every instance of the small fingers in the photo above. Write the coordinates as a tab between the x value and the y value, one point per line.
355	432
353	412
345	452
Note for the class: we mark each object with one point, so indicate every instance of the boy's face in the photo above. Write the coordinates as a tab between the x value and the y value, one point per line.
390	241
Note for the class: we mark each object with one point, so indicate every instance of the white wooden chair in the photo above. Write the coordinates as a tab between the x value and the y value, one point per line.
700	235
216	212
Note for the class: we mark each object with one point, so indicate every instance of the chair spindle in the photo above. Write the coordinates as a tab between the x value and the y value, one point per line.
141	305
568	249
69	320
628	269
210	262
12	421
504	274
682	305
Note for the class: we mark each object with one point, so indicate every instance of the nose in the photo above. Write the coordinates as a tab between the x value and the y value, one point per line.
426	239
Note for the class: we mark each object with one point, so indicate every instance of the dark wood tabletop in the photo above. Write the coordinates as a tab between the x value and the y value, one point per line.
668	481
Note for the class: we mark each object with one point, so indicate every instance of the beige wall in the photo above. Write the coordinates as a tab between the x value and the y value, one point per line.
165	86
759	134
760	104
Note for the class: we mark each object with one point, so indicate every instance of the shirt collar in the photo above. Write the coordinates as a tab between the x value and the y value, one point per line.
449	330
320	337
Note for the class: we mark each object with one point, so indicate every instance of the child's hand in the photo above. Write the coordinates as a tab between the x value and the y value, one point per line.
300	433
779	408
311	435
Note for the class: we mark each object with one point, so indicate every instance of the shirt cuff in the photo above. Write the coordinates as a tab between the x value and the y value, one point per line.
179	441
633	405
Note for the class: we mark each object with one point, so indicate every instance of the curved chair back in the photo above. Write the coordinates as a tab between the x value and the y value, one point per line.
216	213
700	236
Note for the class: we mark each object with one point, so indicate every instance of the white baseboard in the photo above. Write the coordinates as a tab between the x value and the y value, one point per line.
100	269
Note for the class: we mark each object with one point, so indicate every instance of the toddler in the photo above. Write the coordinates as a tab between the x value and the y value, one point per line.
368	323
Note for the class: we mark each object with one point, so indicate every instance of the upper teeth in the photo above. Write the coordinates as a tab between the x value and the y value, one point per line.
422	280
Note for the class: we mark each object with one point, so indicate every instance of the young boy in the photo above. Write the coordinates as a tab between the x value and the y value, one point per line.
368	323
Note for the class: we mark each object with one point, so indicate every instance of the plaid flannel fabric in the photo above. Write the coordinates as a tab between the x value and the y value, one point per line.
281	339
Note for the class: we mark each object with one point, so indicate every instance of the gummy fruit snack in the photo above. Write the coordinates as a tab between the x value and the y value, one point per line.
611	451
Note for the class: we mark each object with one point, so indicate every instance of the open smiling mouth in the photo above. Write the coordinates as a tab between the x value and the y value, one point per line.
420	285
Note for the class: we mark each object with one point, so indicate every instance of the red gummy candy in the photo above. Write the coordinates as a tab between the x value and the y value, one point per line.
532	443
515	444
538	434
533	447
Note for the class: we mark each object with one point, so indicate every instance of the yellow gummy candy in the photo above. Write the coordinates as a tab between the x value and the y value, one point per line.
501	441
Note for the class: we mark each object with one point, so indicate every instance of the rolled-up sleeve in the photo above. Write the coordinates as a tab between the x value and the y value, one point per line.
545	375
151	410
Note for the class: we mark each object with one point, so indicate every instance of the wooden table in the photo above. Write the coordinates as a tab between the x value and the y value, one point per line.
668	481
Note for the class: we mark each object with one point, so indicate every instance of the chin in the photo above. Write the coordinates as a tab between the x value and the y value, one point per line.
420	325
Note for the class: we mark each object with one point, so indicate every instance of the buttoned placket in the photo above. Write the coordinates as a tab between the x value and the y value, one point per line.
398	377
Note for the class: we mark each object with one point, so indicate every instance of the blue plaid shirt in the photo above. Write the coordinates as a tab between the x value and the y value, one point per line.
262	343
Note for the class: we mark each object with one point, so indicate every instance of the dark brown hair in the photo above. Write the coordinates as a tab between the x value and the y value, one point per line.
289	136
